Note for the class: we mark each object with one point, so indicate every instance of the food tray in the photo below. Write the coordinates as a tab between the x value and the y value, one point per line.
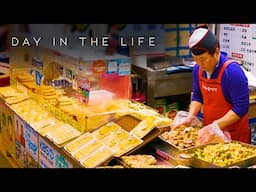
199	163
128	122
160	163
170	148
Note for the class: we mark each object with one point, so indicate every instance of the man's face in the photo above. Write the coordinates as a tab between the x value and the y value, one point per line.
207	61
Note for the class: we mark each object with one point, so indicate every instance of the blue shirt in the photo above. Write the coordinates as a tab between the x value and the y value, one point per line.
234	86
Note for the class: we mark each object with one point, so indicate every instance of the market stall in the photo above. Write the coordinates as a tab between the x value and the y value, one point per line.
69	107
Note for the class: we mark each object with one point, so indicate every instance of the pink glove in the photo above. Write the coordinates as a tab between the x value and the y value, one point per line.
184	118
212	134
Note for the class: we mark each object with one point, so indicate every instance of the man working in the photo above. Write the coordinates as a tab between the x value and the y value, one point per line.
220	89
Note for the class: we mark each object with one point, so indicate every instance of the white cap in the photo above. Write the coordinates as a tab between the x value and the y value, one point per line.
197	36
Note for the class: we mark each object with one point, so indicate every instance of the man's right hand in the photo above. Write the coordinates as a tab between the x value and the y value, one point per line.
184	118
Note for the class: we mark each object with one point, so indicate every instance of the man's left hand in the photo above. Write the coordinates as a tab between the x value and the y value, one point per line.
211	134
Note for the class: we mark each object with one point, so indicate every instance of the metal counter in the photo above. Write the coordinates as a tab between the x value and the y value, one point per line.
158	83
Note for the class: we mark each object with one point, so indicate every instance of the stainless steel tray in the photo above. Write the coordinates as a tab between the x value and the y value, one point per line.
170	148
192	161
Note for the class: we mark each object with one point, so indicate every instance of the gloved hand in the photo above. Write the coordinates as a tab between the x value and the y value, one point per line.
212	134
184	118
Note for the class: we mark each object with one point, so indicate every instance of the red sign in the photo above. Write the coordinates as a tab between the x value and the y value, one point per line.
237	55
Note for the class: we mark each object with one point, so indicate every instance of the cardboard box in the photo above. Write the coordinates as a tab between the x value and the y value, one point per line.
171	110
160	105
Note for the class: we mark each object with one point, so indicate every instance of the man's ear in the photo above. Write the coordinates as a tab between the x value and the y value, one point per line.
217	51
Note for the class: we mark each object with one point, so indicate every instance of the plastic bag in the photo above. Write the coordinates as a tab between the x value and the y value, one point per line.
212	134
184	118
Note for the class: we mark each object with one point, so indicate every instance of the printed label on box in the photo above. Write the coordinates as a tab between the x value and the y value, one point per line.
124	67
50	158
83	85
31	140
112	66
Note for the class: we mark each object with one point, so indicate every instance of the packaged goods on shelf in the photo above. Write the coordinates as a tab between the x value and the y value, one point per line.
106	130
74	145
116	136
98	157
143	161
62	134
12	95
31	112
72	84
139	160
144	127
93	129
87	149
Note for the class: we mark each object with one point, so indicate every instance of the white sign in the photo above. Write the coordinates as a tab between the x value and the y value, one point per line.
124	66
239	41
50	158
31	139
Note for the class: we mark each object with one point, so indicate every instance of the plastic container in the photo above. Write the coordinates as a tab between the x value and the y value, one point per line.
98	97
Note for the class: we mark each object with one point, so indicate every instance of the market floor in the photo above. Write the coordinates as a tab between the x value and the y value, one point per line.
4	162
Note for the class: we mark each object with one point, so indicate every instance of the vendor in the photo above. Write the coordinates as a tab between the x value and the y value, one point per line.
220	89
